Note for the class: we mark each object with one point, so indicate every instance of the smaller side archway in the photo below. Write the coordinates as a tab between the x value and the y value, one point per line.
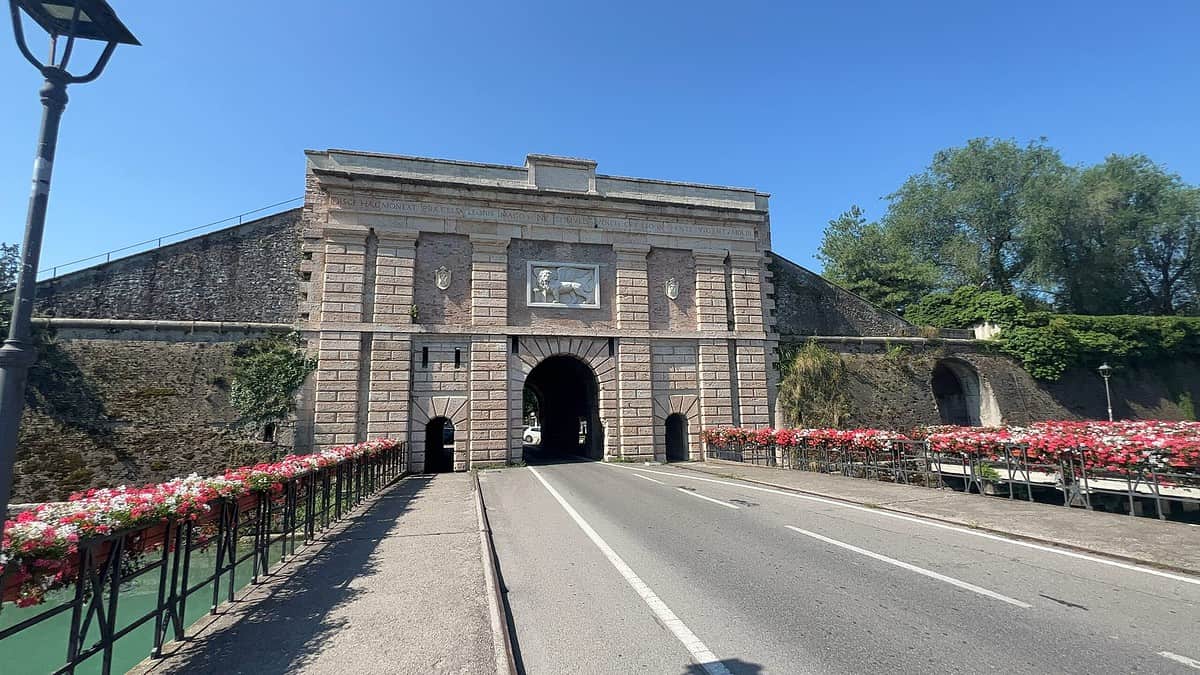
677	438
963	397
439	445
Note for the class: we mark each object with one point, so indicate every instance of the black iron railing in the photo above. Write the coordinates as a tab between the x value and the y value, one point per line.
1016	473
245	531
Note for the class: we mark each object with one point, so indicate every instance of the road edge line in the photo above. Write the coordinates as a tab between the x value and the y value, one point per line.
501	638
1162	567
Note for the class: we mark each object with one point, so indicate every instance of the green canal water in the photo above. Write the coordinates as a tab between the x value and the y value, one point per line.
43	648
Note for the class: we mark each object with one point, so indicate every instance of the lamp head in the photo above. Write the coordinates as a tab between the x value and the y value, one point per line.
95	20
1105	369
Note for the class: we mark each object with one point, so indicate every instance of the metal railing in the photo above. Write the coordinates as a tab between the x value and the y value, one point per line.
1070	479
244	531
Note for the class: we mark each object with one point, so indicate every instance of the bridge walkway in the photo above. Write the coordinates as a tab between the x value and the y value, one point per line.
399	589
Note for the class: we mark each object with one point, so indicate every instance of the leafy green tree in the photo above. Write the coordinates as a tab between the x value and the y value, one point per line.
868	259
970	212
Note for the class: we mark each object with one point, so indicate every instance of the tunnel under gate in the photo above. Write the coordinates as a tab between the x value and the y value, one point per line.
567	399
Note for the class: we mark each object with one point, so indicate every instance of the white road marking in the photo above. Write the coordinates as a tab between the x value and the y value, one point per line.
707	499
652	480
931	523
1181	659
913	568
701	653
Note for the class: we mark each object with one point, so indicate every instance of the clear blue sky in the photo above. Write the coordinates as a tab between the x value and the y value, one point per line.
822	107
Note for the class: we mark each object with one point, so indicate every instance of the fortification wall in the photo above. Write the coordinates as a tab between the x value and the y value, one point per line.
114	407
243	273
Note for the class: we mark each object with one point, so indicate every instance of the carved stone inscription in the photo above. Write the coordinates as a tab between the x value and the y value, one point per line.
551	284
362	203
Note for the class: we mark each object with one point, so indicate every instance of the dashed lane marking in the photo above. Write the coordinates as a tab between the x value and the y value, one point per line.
913	568
707	499
931	523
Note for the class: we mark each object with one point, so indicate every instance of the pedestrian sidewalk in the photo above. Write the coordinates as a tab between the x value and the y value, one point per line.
1145	540
399	589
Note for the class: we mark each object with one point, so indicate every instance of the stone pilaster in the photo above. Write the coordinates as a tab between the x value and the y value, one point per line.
753	401
336	416
711	303
389	391
637	399
489	280
716	396
489	399
342	278
395	260
746	279
632	293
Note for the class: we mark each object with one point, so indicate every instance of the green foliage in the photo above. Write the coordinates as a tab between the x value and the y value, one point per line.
813	390
1187	406
965	307
1120	237
1048	344
867	259
1046	352
267	373
10	264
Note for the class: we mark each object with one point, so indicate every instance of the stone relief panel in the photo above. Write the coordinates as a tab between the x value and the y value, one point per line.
559	284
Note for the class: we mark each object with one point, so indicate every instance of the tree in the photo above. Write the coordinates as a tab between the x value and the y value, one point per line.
10	264
970	212
866	258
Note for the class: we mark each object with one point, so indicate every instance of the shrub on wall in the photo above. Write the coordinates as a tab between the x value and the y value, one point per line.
1049	344
813	390
267	373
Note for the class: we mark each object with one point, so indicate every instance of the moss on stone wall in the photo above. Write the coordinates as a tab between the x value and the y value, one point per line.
103	412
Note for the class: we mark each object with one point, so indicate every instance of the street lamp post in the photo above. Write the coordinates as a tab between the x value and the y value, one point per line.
70	19
1106	372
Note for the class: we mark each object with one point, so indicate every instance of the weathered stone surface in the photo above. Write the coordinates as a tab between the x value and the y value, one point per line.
248	272
119	409
807	304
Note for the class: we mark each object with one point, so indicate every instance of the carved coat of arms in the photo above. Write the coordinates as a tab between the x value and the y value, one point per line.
671	288
441	278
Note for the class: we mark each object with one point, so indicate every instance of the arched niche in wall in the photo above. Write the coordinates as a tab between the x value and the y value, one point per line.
963	397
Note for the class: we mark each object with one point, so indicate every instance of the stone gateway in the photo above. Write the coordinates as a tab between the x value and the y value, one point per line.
445	296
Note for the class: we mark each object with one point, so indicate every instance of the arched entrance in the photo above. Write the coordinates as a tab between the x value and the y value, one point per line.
439	445
567	398
963	398
677	438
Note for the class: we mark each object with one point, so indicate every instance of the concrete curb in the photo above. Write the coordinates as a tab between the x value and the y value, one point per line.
501	639
957	523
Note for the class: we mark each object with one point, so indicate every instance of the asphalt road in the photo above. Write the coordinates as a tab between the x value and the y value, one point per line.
636	569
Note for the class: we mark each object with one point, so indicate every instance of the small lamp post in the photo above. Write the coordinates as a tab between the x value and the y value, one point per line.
69	19
1106	372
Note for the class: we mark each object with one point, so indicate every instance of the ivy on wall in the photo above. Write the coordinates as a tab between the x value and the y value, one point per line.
267	373
1049	344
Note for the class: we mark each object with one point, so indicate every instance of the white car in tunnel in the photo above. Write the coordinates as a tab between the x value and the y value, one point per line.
532	435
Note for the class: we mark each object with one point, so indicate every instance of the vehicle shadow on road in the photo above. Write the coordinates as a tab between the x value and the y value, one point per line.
735	666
